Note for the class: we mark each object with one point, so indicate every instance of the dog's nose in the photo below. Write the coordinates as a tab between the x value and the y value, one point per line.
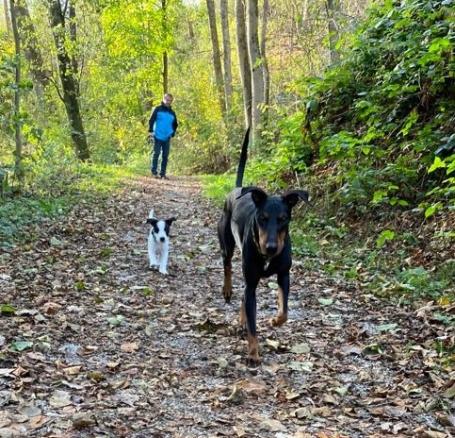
162	239
271	248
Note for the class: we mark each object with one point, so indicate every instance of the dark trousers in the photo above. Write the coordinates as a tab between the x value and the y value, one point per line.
160	147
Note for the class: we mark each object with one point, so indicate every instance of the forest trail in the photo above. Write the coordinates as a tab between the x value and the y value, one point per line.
101	346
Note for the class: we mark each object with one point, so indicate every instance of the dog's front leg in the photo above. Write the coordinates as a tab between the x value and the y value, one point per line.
249	310
283	293
164	258
152	251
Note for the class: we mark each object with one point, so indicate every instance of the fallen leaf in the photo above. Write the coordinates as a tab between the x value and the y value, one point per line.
21	345
302	348
273	425
60	399
325	301
38	421
129	347
301	366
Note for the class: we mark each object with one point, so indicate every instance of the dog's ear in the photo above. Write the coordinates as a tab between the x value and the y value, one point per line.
257	195
152	221
293	196
169	221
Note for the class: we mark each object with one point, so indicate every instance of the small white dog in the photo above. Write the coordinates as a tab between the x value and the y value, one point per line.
158	242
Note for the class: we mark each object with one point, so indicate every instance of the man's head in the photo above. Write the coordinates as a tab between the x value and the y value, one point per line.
167	99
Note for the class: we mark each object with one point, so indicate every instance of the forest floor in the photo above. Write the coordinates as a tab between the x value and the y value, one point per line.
95	344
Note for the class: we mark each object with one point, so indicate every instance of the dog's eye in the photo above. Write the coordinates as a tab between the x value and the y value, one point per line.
282	219
263	217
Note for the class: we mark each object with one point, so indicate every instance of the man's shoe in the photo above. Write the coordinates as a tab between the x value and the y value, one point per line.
164	177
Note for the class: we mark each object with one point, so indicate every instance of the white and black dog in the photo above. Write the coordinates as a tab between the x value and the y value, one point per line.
158	242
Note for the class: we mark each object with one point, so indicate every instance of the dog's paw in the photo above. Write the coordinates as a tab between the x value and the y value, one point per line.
253	361
227	294
278	320
163	271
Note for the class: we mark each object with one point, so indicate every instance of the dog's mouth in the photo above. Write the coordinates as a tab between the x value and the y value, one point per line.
270	247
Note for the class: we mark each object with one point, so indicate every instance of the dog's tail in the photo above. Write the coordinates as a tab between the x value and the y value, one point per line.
243	157
151	215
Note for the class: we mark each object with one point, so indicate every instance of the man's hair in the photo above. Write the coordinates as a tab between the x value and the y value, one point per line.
168	95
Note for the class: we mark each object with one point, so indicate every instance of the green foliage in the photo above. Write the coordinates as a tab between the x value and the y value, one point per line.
217	187
60	188
383	113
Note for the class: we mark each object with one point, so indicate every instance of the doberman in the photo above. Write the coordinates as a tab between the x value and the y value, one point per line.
258	225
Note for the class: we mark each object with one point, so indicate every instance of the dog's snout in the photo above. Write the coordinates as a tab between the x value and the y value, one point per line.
162	239
271	248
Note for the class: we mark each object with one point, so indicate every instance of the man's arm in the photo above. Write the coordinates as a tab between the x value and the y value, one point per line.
174	124
152	119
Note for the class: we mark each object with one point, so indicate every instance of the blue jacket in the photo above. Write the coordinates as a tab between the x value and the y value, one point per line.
163	122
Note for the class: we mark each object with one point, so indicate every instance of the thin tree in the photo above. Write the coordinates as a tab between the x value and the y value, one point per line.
31	49
257	69
18	170
216	56
70	85
265	17
244	60
333	10
226	53
7	16
165	55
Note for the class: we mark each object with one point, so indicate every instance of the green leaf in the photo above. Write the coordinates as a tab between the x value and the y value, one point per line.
386	327
7	309
325	301
439	45
437	164
385	236
116	320
378	196
21	345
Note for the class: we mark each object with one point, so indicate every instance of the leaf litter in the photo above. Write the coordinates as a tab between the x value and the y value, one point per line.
93	343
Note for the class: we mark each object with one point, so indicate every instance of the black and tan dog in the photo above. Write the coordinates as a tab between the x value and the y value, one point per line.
258	225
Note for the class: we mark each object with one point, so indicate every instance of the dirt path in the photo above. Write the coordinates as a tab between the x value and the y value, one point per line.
100	346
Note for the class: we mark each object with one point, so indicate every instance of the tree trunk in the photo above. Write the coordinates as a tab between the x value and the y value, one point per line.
165	56
165	73
18	170
216	56
31	48
257	70
244	60
69	83
265	17
333	10
227	54
305	15
7	17
73	36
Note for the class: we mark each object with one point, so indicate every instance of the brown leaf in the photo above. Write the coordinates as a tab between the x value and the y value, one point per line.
38	421
51	308
129	347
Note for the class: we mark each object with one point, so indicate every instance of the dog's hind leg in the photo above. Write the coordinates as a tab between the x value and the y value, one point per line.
283	293
227	245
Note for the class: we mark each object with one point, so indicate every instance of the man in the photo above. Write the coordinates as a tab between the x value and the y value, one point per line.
162	126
